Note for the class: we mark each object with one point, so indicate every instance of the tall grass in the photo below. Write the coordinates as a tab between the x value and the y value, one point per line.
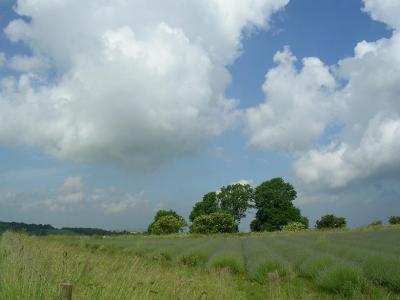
31	268
358	264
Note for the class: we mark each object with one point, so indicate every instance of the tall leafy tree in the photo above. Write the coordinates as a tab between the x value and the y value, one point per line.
208	205
330	221
235	199
273	200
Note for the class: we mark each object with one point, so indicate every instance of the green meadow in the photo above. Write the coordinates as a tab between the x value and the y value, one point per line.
359	263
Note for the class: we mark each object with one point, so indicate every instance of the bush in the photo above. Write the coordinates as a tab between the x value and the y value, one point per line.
228	263
167	225
166	222
218	222
394	220
375	223
195	259
261	275
312	266
294	226
340	279
331	221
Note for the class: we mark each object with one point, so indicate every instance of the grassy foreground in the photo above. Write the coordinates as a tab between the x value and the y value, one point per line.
355	264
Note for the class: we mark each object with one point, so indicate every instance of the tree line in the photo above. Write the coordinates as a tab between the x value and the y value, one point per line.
222	211
46	229
219	212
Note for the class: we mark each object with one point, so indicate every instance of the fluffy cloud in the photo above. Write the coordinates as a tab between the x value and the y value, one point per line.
24	63
72	197
71	193
125	202
376	154
386	11
293	98
358	98
369	142
137	82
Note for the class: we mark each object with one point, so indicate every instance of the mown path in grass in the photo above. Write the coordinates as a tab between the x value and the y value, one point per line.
355	264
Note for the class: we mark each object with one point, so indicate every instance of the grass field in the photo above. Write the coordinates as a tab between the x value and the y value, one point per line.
355	264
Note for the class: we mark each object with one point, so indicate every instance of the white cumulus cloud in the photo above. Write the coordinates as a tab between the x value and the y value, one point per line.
296	110
24	63
358	98
136	82
386	11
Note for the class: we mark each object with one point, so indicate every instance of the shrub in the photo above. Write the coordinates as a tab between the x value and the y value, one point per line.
331	221
218	222
228	263
375	223
163	256
383	270
166	222
312	266
167	225
340	279
294	226
195	259
394	220
270	266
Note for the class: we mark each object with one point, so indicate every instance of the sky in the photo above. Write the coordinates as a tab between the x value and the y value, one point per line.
111	110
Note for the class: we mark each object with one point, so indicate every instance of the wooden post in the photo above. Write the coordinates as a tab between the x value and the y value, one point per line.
65	291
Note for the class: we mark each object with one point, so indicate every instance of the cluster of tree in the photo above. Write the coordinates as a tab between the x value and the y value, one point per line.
331	221
39	229
394	220
221	212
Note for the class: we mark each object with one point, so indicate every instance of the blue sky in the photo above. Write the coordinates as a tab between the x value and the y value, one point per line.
117	173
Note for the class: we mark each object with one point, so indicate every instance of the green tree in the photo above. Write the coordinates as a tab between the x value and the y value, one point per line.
217	222
166	222
330	221
235	199
394	220
167	225
208	205
163	213
273	200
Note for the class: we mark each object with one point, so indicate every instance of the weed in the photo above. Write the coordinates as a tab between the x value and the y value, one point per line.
312	266
343	280
269	267
229	263
194	259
